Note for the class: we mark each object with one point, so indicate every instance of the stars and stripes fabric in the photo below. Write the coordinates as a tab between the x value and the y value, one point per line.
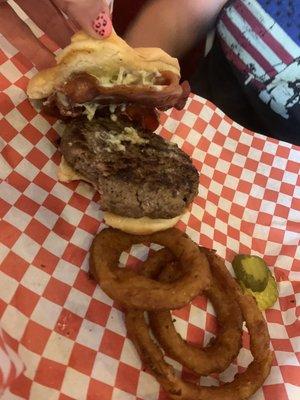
261	38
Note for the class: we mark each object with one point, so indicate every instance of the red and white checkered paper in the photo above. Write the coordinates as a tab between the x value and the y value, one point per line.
69	335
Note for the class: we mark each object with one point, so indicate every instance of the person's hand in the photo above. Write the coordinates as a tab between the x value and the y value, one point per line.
59	19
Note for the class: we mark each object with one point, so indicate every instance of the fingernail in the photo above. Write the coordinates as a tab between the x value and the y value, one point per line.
102	25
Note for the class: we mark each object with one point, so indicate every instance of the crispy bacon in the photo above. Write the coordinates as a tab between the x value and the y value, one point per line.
83	88
55	107
145	117
136	104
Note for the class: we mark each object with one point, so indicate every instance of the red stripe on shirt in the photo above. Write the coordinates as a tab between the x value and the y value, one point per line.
262	32
244	43
240	65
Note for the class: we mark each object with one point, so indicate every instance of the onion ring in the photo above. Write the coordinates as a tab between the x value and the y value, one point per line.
137	291
243	385
218	355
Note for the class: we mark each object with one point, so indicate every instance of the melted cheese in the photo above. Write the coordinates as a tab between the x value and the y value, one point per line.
113	117
90	110
112	108
124	77
128	135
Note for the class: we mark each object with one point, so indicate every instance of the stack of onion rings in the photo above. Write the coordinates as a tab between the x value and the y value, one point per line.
165	271
137	291
218	355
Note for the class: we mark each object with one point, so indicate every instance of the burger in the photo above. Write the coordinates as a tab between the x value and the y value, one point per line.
109	96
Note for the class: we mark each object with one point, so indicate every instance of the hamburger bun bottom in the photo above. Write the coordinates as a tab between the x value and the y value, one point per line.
139	226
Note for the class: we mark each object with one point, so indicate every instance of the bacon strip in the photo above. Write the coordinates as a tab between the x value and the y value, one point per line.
83	88
140	101
145	117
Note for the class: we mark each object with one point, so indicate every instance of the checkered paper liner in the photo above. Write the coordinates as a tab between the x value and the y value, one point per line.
68	334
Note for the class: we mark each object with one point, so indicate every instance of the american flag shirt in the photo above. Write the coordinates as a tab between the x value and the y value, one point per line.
261	40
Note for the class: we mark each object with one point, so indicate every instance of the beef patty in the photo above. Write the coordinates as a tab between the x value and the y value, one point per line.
137	172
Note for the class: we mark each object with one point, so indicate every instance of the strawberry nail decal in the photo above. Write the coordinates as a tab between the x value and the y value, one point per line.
102	25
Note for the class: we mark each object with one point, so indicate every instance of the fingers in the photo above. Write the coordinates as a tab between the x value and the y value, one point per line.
20	36
49	19
93	16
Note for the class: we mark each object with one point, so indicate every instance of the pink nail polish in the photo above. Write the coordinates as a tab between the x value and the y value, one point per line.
102	25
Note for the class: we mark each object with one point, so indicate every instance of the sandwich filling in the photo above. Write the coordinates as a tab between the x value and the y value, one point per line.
86	93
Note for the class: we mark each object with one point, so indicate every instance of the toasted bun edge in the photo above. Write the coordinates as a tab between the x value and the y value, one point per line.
140	226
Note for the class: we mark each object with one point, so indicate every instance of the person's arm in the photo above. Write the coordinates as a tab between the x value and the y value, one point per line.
173	25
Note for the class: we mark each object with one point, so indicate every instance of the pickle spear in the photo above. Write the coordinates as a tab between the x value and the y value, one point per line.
252	271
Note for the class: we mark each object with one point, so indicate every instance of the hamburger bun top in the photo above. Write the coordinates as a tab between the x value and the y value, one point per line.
100	58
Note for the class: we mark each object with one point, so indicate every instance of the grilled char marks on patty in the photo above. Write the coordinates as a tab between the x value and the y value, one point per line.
137	172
